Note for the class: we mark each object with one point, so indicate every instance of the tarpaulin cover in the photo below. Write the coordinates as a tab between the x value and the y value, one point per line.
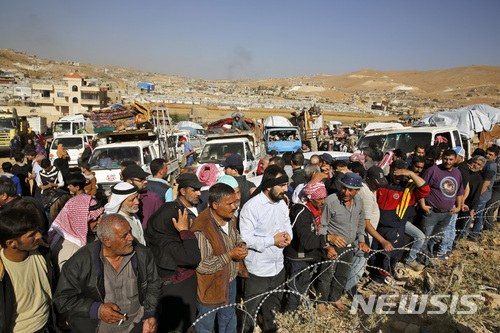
469	120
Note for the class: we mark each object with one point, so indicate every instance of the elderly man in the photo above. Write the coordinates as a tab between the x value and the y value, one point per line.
221	249
342	217
265	227
307	244
125	297
176	252
149	202
124	200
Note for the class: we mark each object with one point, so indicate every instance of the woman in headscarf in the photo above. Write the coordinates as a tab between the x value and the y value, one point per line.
206	173
75	225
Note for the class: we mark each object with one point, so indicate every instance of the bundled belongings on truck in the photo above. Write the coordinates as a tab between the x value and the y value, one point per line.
119	119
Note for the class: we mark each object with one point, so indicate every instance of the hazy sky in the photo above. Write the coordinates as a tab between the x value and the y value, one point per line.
257	39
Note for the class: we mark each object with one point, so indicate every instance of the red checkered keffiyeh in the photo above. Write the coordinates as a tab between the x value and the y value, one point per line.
315	190
72	223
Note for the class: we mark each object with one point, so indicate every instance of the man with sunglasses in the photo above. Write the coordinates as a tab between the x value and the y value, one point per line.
150	202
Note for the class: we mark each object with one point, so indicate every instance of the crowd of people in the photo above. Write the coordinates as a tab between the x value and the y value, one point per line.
157	258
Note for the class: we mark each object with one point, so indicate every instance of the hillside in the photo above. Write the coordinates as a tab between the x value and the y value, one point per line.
443	88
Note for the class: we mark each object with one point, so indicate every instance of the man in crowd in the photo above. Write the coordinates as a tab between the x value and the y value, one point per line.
403	190
7	169
157	183
149	202
177	255
25	282
124	201
369	157
419	150
311	172
297	171
342	217
307	245
265	228
188	152
494	202
446	244
127	289
221	248
49	176
489	175
233	166
374	180
471	203
22	170
325	164
444	199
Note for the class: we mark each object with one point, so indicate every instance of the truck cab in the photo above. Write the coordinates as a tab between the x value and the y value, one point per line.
219	146
408	138
283	139
106	160
69	125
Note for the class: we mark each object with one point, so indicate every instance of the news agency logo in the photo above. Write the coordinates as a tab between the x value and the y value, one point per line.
415	304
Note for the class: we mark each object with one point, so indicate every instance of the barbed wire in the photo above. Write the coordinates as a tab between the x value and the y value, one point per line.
308	304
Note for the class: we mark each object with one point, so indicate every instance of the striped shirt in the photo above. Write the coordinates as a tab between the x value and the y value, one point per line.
211	264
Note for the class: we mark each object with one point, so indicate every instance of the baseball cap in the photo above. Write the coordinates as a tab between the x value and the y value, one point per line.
326	157
377	175
134	171
232	160
497	142
189	179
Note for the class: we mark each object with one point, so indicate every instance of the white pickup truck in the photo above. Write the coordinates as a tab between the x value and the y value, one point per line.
221	145
106	160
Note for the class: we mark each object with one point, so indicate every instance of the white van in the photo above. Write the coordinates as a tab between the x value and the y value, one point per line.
74	144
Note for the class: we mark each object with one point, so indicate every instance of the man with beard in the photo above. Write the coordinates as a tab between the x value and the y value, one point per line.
466	216
149	202
444	199
125	297
175	249
343	218
266	229
446	244
124	200
221	249
393	199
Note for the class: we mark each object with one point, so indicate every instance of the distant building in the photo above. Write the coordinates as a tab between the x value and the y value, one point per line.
73	98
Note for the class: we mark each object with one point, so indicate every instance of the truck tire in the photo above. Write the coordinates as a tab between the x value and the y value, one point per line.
314	144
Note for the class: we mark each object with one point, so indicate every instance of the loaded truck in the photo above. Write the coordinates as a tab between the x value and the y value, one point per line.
10	126
281	135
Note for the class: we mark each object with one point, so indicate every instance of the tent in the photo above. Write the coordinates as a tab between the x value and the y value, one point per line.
469	120
188	124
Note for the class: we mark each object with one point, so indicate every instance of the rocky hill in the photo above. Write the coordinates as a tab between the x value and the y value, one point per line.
447	87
